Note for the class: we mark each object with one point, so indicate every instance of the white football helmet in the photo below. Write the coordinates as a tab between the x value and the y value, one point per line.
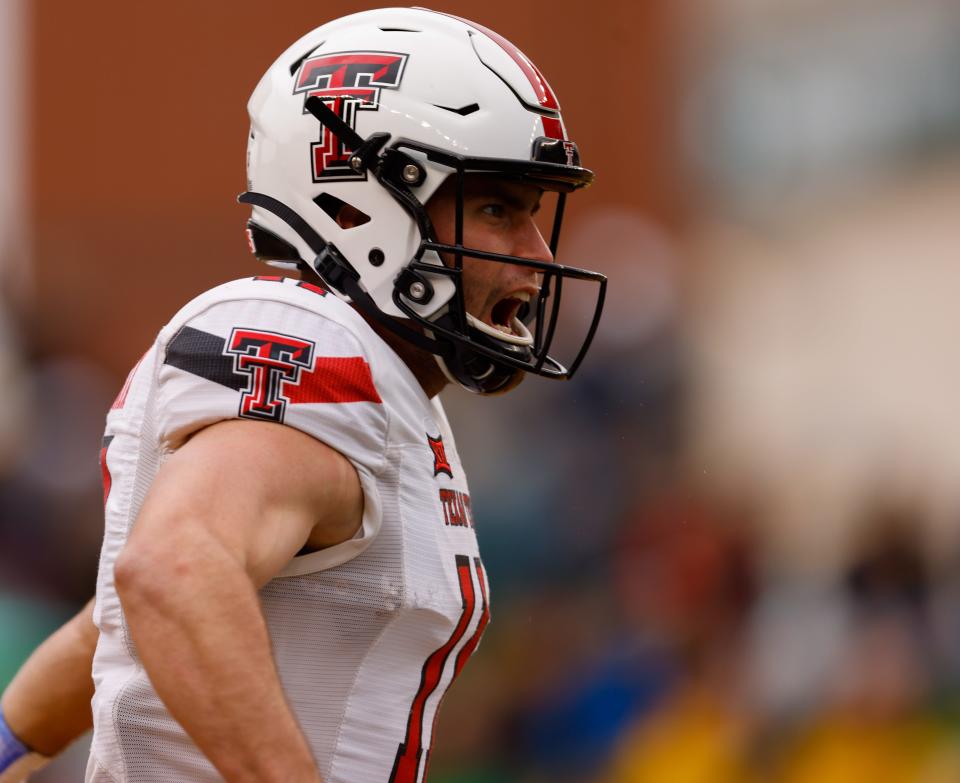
375	111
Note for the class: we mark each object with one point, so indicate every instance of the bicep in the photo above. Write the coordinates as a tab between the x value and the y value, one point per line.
256	491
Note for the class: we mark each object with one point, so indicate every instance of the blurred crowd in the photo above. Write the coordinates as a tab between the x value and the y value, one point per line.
728	552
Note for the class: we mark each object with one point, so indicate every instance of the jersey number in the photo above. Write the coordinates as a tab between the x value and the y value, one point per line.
407	767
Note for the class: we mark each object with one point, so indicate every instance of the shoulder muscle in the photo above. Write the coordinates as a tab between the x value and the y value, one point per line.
261	491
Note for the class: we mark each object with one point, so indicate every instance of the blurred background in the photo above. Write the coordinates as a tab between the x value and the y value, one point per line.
728	551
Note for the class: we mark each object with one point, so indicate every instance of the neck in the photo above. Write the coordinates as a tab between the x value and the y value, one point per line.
421	363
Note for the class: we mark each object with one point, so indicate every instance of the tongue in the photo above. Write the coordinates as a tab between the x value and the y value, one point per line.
501	314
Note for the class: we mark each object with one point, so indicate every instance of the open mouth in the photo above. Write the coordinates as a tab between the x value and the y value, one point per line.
504	315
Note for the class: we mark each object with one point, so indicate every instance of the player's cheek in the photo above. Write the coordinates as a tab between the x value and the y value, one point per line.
476	283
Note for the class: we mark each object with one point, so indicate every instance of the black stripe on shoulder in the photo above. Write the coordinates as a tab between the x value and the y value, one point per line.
202	354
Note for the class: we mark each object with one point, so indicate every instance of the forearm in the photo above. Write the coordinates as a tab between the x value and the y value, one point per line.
200	633
47	705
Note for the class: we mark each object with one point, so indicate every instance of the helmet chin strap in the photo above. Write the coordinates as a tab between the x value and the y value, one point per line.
479	374
473	370
521	335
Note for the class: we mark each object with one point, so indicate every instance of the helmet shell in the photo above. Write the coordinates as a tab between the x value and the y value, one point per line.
433	79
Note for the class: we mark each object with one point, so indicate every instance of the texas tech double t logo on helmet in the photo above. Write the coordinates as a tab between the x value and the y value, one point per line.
375	111
347	82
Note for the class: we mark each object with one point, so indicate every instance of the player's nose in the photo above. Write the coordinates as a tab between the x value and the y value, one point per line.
529	243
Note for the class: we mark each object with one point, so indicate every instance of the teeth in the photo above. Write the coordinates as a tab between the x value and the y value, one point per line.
502	328
523	296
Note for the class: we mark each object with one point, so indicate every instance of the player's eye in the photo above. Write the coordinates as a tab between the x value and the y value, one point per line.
494	210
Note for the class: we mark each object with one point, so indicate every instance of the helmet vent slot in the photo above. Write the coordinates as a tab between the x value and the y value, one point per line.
346	215
463	111
398	30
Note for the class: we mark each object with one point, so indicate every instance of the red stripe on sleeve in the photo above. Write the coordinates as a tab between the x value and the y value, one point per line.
334	379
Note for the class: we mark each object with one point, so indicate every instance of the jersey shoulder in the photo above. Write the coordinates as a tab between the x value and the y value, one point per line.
279	306
246	292
276	350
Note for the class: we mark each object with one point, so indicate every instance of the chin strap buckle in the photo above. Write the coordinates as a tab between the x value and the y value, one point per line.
334	268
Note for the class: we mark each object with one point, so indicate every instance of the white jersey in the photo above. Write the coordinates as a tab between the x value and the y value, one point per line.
368	634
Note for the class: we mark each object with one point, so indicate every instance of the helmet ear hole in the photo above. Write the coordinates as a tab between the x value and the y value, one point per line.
346	215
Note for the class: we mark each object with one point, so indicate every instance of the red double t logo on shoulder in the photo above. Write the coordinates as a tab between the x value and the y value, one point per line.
270	361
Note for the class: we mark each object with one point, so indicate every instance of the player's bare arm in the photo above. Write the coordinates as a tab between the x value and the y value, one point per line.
225	514
47	705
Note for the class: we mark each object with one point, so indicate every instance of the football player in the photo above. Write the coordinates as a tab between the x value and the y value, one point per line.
290	579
